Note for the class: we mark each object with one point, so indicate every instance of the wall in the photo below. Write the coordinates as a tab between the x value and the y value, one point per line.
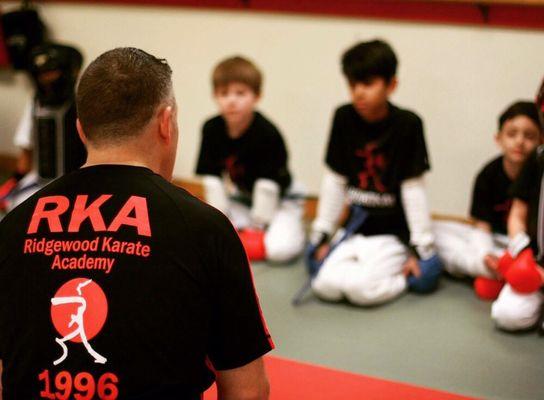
457	78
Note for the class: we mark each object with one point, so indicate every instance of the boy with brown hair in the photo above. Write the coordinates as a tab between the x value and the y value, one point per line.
243	161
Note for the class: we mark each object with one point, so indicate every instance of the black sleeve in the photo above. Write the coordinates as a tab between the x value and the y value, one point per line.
416	160
274	162
209	162
336	156
239	333
521	188
481	207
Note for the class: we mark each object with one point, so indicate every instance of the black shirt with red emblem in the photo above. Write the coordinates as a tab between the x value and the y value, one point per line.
259	152
491	200
528	187
115	284
376	158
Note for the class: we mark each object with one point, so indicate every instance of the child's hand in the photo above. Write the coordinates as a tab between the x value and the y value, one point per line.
322	251
492	263
411	267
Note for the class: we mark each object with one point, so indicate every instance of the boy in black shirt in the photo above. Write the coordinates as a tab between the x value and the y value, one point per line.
115	283
243	156
473	250
376	159
519	306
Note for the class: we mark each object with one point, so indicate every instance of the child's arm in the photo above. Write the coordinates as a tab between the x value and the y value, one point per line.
332	198
215	193
265	201
418	217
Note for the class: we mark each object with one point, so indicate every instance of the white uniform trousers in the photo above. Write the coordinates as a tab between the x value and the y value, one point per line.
365	270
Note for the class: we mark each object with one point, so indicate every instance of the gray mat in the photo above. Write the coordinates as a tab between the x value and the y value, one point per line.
444	341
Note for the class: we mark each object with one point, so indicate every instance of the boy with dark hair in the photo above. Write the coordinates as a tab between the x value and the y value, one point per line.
376	159
473	250
520	302
118	281
243	161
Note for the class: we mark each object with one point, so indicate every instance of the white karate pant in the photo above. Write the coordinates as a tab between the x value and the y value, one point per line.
514	311
457	246
365	270
285	238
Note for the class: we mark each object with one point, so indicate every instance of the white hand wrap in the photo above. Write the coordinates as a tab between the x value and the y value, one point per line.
331	202
215	193
418	217
518	243
265	199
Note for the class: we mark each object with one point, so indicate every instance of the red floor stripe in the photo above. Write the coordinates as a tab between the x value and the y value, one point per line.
293	380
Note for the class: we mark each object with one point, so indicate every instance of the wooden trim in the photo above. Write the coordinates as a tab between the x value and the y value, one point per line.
499	13
7	162
196	189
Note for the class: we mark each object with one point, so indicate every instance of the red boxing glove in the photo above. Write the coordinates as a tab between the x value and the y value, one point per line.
486	288
253	242
523	275
505	262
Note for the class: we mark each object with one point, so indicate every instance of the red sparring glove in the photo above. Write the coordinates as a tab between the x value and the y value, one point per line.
523	275
505	262
253	241
7	187
486	288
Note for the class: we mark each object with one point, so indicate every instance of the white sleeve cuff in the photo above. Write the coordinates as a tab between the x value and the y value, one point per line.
265	201
215	193
331	202
416	210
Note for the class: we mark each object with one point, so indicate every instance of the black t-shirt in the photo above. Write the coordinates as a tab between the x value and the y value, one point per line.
491	200
157	281
376	158
528	187
258	153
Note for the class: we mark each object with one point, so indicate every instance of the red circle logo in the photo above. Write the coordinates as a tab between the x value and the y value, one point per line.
79	308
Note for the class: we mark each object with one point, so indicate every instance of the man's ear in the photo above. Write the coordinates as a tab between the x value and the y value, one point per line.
165	126
80	132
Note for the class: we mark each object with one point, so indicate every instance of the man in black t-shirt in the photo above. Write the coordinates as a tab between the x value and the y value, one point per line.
115	283
519	306
376	159
243	161
473	250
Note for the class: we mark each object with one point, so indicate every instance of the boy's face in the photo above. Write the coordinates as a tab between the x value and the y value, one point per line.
369	97
518	137
236	102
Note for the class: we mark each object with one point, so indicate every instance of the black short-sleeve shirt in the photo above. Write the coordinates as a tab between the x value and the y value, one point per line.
116	281
491	200
528	187
376	158
259	152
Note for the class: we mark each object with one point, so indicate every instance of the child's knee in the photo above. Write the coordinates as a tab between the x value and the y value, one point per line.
511	318
326	288
375	292
281	249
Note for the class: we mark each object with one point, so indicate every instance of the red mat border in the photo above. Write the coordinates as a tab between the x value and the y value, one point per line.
347	385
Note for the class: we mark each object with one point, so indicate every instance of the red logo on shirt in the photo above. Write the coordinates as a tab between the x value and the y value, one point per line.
236	171
78	311
374	163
